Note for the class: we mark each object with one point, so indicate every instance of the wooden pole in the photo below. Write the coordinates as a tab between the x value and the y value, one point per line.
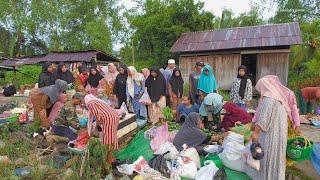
132	52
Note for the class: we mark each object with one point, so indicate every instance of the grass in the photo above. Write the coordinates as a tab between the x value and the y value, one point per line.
20	79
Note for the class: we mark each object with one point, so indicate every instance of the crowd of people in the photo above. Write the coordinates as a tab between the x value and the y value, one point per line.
103	89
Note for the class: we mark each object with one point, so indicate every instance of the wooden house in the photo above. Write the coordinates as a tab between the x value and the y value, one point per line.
263	49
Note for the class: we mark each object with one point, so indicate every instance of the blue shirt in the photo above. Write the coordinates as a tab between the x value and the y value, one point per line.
184	110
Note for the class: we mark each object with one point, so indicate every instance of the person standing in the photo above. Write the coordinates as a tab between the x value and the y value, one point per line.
193	82
120	85
241	89
175	88
277	105
156	87
167	73
82	78
48	75
106	118
207	82
93	81
64	74
135	89
110	73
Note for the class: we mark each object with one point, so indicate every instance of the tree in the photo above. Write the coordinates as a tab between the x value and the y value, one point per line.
160	24
60	25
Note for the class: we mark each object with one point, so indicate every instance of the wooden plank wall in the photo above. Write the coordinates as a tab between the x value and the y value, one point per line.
224	67
273	64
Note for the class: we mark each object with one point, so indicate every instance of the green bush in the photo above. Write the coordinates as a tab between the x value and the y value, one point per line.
28	75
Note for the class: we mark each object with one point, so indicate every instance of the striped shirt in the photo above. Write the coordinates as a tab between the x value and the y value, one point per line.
107	119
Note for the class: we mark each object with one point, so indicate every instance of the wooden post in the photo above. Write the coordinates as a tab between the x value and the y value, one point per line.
132	52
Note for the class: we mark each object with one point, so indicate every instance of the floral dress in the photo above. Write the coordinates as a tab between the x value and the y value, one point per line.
234	95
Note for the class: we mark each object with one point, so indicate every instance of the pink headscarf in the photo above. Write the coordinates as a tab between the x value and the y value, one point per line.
57	106
110	73
270	86
145	72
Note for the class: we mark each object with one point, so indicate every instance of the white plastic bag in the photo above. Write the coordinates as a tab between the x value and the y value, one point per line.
233	137
126	169
145	98
188	167
207	172
168	147
232	156
191	153
255	164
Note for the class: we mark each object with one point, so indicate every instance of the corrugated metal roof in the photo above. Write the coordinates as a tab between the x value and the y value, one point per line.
76	56
239	38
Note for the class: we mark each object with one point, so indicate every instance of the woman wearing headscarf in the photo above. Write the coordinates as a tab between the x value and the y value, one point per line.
241	89
93	81
234	114
44	98
64	74
106	118
211	107
156	86
48	75
135	89
145	72
110	74
207	82
191	133
175	88
120	85
81	79
277	105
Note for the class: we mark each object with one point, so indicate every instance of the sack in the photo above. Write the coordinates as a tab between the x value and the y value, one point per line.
232	156
145	98
9	90
158	163
188	168
170	149
255	164
233	137
244	130
207	172
192	153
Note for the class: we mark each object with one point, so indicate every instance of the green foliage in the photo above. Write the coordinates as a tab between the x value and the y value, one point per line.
29	27
18	79
225	94
160	24
167	113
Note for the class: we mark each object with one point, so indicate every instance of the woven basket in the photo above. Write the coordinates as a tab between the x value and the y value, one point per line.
299	153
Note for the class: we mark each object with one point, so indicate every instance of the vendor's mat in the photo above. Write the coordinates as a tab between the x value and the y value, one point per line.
139	146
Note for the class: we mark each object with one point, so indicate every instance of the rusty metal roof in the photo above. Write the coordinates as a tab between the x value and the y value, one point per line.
76	56
239	38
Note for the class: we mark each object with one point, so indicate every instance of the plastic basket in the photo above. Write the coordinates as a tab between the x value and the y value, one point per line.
11	119
299	153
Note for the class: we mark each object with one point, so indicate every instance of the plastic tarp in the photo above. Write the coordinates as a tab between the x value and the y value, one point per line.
139	146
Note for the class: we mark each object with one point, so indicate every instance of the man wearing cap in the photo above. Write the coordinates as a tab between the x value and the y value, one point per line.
167	75
193	82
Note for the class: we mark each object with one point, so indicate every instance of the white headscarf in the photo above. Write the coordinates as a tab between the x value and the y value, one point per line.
135	77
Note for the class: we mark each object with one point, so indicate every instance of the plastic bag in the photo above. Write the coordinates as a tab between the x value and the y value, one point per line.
207	172
188	168
161	136
233	137
126	169
232	156
191	153
255	164
213	149
170	148
145	98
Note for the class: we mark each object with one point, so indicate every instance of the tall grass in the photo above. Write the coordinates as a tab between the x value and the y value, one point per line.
28	74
